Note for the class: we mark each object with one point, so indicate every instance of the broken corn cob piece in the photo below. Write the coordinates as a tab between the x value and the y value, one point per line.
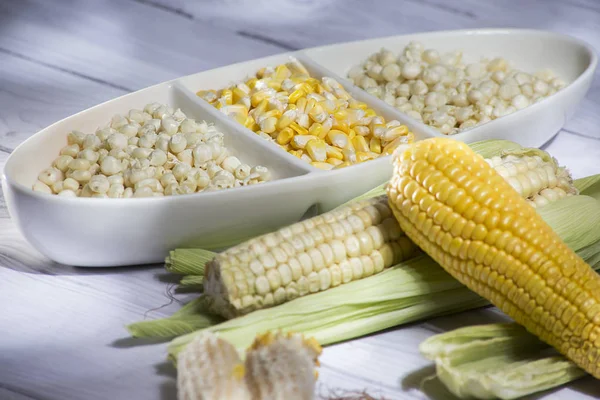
282	367
277	367
462	213
210	368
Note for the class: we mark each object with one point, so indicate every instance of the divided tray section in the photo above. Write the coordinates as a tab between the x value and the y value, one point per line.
529	50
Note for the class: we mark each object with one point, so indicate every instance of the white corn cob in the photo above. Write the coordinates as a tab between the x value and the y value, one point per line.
347	244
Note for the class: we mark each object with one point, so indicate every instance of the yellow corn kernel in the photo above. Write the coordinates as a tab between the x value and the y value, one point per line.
297	68
334	153
298	129
285	136
341	115
272	113
313	82
238	94
358	105
340	126
337	138
296	153
351	134
390	147
375	145
296	95
362	130
227	96
259	97
260	108
301	104
287	147
251	82
306	158
343	165
249	122
364	156
501	248
237	112
328	106
349	155
282	72
286	119
268	124
360	144
334	161
274	84
308	89
369	112
316	149
300	141
317	130
322	165
394	132
207	95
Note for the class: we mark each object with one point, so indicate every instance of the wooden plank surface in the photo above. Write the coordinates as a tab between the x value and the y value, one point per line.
62	328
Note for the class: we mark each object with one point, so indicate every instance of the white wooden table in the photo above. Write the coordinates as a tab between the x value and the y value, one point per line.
62	330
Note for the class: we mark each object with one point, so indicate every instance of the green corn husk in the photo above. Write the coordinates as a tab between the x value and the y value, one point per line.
413	290
191	280
189	318
188	261
496	361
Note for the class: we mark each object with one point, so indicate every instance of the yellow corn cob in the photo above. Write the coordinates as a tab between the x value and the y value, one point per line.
460	211
282	367
343	245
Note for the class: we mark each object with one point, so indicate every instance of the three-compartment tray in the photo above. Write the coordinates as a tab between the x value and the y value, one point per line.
117	232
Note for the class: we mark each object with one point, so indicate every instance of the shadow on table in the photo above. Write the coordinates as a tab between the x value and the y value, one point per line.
127	342
425	381
168	388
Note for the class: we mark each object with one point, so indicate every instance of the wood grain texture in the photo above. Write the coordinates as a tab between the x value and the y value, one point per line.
62	330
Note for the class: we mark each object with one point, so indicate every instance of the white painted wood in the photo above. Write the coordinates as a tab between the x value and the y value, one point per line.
62	330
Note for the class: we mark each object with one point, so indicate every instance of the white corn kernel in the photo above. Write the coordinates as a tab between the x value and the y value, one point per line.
263	173
50	176
40	186
177	144
99	184
143	192
67	193
169	125
91	142
110	166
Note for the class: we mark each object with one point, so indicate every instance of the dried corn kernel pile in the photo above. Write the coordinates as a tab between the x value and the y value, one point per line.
314	120
149	153
447	94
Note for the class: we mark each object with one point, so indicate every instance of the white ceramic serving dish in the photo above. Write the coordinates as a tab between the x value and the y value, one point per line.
116	232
